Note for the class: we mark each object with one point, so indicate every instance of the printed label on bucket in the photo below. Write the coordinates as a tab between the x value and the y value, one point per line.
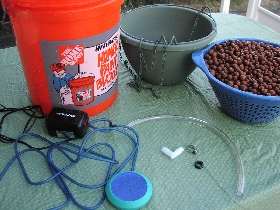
82	73
104	57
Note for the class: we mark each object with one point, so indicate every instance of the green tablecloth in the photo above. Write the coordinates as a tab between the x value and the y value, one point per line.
177	185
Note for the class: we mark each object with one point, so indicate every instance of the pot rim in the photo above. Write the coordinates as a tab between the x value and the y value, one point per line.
147	44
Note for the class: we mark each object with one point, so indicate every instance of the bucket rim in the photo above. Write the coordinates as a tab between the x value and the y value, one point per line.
42	6
172	47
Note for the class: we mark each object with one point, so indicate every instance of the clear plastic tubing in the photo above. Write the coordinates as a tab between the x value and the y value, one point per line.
216	131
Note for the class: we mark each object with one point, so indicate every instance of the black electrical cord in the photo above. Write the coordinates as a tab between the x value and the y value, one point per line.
34	113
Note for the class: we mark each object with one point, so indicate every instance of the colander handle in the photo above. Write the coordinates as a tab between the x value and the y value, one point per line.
198	59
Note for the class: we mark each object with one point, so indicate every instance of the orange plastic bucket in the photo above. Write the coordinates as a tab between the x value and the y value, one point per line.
67	42
82	90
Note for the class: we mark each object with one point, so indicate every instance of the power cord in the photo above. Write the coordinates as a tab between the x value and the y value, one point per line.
86	150
33	113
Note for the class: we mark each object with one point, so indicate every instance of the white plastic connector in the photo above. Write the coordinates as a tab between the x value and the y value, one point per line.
171	154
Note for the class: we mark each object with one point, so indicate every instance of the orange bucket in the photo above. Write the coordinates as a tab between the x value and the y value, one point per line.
65	43
82	90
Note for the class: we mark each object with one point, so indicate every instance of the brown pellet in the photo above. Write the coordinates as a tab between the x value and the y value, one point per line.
247	65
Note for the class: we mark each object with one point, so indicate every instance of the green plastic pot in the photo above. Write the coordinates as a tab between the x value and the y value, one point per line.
158	40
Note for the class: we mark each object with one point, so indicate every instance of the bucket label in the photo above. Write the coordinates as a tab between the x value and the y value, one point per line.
82	73
104	57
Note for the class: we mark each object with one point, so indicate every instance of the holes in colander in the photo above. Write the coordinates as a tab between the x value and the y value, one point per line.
272	115
246	110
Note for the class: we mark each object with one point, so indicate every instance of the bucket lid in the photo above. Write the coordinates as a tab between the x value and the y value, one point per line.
54	4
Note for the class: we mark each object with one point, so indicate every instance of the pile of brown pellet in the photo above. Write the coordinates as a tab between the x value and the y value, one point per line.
246	65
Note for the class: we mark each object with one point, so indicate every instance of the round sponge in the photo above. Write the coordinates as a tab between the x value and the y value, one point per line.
129	191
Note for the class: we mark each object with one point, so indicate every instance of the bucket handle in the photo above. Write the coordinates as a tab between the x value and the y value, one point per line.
203	10
173	40
4	16
206	9
6	6
163	40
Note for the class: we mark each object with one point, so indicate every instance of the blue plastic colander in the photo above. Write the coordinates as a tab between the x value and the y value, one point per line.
241	105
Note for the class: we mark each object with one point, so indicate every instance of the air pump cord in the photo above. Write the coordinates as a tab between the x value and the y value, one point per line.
33	113
85	150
